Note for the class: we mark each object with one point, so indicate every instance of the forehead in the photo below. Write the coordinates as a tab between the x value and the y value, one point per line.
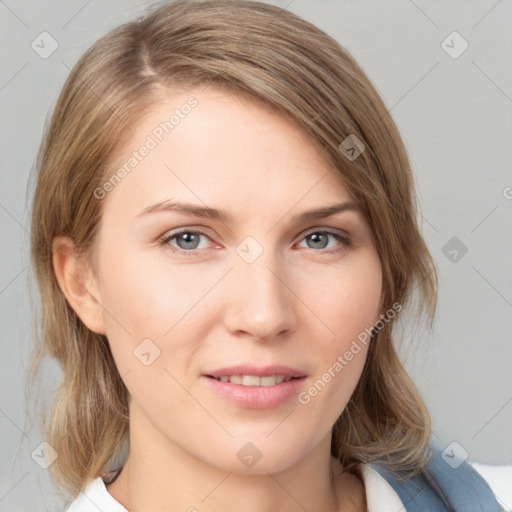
218	147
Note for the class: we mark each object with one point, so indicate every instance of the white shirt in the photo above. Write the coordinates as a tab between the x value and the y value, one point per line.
380	496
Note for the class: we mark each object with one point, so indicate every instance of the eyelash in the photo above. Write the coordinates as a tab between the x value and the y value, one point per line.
345	239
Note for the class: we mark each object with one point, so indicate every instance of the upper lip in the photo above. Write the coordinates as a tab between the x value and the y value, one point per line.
260	371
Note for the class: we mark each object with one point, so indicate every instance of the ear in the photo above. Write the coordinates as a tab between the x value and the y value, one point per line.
78	284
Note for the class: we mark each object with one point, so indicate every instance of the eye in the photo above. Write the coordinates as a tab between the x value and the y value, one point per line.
187	241
319	240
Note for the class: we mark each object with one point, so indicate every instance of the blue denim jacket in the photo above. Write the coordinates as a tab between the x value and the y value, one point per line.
442	488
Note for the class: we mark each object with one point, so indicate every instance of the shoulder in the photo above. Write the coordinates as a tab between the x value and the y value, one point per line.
447	484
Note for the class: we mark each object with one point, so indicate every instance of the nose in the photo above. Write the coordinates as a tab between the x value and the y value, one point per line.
261	302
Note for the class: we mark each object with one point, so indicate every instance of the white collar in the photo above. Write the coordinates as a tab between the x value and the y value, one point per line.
380	496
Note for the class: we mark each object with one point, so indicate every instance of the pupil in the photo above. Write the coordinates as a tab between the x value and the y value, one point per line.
188	238
315	237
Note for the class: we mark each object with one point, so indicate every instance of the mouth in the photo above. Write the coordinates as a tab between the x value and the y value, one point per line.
254	380
256	387
249	375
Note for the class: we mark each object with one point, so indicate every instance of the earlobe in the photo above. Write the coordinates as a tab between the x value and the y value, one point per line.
78	284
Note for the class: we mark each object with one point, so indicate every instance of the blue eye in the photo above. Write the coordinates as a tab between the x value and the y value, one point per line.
187	241
321	240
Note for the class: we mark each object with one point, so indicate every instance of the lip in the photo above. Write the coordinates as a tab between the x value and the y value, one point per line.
256	397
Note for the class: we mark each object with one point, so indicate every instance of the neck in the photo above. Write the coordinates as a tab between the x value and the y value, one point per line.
159	476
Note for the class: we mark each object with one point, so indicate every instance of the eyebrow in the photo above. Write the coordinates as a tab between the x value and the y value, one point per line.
217	214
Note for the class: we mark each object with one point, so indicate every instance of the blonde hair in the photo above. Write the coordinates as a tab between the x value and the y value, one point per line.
288	65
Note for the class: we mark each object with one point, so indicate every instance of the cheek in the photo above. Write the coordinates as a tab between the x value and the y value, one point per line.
146	295
145	299
349	306
351	300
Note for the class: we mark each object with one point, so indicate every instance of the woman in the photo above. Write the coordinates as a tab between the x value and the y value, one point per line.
224	235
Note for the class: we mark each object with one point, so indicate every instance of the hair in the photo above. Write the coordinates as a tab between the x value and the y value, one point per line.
290	66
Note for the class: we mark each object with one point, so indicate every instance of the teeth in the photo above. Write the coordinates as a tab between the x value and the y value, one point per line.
269	380
250	380
254	380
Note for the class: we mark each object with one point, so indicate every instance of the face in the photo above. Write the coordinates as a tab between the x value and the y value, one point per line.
206	313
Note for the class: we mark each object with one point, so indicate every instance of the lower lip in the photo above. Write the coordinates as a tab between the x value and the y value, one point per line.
256	397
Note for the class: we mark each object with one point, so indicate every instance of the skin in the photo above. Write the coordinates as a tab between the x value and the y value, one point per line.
296	305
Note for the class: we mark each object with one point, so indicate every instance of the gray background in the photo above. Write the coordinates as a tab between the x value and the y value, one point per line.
455	117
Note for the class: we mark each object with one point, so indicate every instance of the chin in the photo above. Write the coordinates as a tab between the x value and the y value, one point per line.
257	456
